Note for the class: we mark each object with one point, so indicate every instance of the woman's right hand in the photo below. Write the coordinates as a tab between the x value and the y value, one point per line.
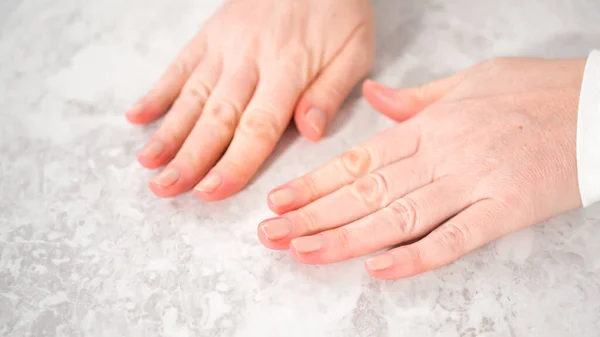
233	89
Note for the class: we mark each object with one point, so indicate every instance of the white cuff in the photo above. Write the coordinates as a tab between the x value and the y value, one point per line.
588	133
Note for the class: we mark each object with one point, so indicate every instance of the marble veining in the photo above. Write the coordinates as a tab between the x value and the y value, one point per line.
87	250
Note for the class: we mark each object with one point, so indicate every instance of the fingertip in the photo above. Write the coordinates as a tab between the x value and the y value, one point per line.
154	154
311	123
139	114
281	244
216	186
393	103
283	199
381	275
160	191
149	163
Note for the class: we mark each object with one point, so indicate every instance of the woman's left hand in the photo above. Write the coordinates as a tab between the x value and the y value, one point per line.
491	151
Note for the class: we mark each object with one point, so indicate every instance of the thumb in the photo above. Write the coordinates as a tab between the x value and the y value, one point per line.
401	104
322	99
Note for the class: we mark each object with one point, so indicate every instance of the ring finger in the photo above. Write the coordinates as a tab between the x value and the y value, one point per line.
213	131
405	219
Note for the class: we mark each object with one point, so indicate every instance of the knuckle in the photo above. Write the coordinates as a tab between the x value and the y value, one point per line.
413	256
344	238
262	125
295	65
372	190
179	67
224	113
453	237
309	220
309	184
356	162
334	91
196	94
403	216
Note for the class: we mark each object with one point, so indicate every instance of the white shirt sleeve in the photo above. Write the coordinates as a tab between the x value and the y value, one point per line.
588	132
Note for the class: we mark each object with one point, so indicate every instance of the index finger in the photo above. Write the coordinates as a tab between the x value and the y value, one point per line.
389	146
158	100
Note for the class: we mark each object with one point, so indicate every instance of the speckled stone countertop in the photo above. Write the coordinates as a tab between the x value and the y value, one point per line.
87	250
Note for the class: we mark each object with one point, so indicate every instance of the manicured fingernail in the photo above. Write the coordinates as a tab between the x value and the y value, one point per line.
277	229
380	262
152	149
283	197
167	177
209	183
317	120
308	244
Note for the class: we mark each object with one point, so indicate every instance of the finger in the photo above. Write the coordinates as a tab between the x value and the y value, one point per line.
320	102
213	131
180	120
392	145
479	224
261	125
359	199
401	104
158	100
403	220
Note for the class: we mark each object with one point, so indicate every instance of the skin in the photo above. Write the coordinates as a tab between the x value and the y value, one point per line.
475	156
227	101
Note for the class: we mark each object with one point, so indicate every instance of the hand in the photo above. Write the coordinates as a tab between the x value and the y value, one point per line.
491	151
232	90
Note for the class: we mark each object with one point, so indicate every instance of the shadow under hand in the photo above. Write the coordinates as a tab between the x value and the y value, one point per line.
398	24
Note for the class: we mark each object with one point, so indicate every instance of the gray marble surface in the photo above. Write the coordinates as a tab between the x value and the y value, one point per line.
87	250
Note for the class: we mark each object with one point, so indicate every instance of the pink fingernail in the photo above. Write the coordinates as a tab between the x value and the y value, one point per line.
317	120
308	244
136	109
152	149
277	229
167	178
209	183
283	197
380	262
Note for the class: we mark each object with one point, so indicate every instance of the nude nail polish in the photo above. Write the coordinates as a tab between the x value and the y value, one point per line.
167	178
380	262
152	150
308	244
317	120
277	229
210	183
283	197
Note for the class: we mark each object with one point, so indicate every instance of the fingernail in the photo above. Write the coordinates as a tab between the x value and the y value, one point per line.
277	229
136	109
167	177
308	244
283	197
380	262
317	120
152	149
209	183
383	92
